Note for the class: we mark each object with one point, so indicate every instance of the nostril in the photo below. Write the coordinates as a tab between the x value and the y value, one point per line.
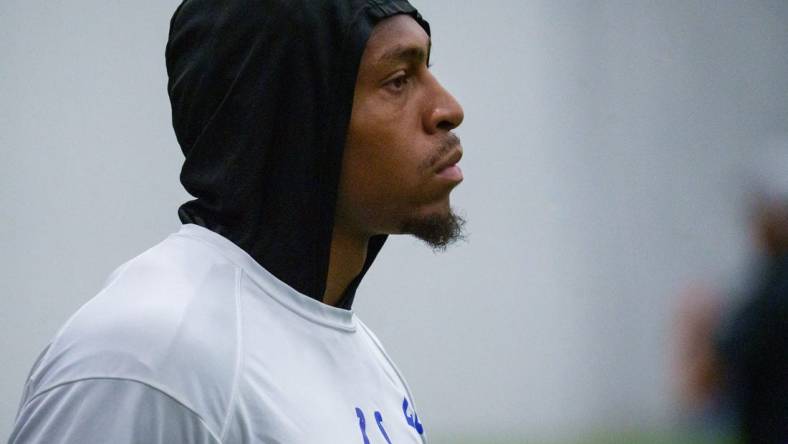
446	125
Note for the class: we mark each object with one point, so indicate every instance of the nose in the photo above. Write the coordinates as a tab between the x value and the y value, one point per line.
444	113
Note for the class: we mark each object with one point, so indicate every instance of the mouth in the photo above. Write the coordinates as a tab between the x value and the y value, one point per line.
448	169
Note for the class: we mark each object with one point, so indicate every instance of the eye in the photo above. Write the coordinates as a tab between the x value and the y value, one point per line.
398	83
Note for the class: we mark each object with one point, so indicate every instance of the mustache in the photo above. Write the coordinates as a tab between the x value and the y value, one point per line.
449	143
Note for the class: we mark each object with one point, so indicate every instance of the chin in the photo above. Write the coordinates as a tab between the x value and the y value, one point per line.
405	218
437	208
438	226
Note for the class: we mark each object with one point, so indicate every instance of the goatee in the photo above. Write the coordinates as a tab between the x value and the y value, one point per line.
437	230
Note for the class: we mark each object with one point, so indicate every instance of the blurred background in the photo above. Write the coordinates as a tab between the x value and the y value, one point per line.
611	164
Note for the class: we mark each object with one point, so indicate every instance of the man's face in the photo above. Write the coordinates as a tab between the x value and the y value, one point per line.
397	169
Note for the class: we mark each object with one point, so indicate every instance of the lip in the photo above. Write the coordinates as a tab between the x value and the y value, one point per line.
452	173
449	164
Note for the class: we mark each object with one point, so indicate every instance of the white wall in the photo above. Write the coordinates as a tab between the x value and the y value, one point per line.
603	145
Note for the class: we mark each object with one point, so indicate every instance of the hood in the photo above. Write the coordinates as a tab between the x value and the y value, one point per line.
261	94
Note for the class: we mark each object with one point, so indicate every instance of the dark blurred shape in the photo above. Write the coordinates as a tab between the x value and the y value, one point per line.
753	345
739	359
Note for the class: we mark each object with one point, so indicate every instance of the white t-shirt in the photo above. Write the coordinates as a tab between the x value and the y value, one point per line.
194	342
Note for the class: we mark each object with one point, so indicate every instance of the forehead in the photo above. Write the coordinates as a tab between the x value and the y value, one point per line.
393	34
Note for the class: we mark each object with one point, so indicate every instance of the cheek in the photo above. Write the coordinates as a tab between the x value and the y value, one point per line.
385	156
386	170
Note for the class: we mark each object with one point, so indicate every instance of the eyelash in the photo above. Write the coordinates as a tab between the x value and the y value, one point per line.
405	78
402	80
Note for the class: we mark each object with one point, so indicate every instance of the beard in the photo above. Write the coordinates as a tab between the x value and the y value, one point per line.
436	230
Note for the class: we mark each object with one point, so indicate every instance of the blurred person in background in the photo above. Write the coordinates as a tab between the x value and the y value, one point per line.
734	361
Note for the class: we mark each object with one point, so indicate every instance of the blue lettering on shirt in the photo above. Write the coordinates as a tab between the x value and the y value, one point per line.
379	420
411	418
362	424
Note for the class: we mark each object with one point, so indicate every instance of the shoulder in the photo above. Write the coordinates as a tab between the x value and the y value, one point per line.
167	318
78	412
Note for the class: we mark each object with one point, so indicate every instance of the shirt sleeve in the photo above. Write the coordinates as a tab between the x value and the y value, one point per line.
116	411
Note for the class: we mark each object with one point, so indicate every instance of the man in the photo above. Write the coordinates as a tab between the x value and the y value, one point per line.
752	343
312	129
736	360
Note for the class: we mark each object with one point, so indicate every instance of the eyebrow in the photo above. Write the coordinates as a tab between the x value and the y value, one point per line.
408	53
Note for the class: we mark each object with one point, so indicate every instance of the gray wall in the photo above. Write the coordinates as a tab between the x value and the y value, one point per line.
603	149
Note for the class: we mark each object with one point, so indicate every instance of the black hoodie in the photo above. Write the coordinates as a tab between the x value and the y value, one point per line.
261	94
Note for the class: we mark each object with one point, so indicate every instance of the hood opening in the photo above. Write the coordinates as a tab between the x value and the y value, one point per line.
261	94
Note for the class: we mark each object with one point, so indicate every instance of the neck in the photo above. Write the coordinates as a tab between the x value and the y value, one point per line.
348	253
